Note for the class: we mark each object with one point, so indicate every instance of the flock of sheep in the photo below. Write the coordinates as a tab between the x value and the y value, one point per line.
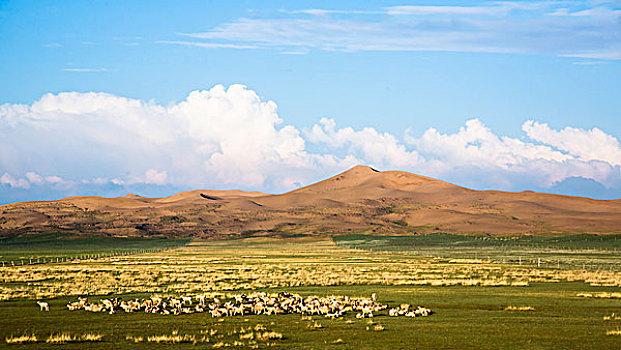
257	303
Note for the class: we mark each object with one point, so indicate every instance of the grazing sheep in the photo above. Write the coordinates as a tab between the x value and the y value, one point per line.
258	303
403	310
107	303
75	306
201	299
44	305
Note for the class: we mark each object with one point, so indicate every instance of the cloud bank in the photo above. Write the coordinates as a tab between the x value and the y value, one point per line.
563	28
96	143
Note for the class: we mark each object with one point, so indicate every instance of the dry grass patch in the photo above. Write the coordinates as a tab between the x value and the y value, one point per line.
614	332
602	295
173	338
91	337
378	328
612	317
22	339
56	338
61	338
314	325
199	267
265	336
134	339
519	308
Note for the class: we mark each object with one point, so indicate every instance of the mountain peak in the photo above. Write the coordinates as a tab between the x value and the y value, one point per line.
361	169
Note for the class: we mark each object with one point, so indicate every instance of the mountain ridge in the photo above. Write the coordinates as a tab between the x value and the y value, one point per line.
360	199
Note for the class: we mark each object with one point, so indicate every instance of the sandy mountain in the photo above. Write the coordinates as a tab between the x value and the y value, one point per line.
361	199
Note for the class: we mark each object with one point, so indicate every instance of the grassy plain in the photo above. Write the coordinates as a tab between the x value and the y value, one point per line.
15	249
473	297
581	251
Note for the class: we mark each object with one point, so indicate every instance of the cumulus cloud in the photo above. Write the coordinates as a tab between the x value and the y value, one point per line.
512	163
221	137
9	180
585	145
97	143
476	145
367	145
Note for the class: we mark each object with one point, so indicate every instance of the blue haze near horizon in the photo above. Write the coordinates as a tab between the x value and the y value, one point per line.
354	63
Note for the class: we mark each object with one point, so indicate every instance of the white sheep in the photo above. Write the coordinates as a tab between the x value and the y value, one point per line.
43	305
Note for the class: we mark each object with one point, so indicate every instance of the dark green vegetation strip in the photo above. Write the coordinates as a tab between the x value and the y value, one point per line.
60	245
464	318
583	251
580	241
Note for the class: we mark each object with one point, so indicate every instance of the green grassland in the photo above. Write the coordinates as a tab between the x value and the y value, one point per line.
56	245
465	316
569	252
403	242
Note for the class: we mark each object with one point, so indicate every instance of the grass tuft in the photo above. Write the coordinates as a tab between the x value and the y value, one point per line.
268	336
22	339
519	308
601	295
134	339
614	332
612	316
61	338
314	325
173	338
91	337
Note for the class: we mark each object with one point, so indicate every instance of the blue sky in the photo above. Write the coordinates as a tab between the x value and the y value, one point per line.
97	97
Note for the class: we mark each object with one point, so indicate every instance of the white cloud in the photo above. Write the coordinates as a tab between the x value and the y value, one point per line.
215	138
155	177
598	12
447	10
85	70
323	12
507	162
582	144
535	27
375	148
74	143
476	145
34	178
7	179
207	45
54	179
347	35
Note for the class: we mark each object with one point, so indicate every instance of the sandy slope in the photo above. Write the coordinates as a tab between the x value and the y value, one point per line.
358	200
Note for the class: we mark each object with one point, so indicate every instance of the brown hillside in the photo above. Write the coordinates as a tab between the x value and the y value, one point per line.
359	200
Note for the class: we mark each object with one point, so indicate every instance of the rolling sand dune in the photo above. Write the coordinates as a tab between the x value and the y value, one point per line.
359	200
